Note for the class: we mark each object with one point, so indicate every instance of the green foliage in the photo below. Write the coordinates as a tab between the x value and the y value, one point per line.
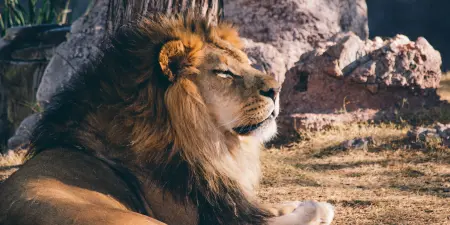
35	107
13	13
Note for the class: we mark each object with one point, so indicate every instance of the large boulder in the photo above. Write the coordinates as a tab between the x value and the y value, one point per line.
294	27
22	135
71	56
266	58
349	79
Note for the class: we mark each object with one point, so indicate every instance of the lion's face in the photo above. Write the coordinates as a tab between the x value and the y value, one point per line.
241	99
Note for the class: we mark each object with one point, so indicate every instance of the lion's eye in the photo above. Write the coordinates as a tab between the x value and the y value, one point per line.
224	73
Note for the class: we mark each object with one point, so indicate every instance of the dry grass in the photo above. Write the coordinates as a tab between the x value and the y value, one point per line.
9	163
444	90
386	183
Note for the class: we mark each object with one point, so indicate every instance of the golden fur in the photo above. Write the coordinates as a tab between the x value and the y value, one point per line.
167	124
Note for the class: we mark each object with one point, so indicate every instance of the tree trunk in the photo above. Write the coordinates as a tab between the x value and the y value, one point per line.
104	17
117	14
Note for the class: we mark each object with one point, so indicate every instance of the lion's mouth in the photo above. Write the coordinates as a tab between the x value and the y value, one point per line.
247	129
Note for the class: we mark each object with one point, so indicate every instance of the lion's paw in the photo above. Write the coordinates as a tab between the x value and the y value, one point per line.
282	208
314	213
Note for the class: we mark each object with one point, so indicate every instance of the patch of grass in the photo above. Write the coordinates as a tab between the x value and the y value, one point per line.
9	163
357	203
356	174
14	13
411	172
343	109
12	158
444	89
35	107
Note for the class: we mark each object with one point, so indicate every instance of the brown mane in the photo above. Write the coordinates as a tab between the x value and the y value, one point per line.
125	110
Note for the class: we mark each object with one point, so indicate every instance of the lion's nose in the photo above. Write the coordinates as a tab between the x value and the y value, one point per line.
271	93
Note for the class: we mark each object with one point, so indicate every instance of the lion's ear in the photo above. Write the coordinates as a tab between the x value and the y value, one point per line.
170	58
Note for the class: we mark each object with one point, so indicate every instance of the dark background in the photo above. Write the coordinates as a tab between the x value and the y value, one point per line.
413	18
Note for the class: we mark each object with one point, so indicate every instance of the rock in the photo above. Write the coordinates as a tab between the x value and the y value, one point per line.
22	135
296	26
421	133
357	143
266	58
443	130
40	37
34	53
291	123
423	136
17	142
348	79
71	56
52	81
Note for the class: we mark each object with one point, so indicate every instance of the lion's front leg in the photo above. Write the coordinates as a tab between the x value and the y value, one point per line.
306	213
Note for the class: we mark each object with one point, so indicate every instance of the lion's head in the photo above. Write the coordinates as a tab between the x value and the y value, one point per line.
209	63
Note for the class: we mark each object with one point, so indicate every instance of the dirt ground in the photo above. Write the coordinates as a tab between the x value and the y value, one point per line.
387	182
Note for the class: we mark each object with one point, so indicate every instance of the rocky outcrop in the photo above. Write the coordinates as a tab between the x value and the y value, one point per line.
294	27
80	48
348	79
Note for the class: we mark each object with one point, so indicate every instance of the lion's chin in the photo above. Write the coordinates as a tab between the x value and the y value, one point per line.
264	130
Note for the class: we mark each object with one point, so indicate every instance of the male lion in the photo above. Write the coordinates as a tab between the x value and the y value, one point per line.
165	128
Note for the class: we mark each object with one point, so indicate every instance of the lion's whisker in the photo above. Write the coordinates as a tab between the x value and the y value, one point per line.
239	118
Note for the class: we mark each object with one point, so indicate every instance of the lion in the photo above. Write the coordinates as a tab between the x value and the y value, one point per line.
164	127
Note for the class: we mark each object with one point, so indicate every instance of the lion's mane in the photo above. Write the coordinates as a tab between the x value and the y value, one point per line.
122	108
